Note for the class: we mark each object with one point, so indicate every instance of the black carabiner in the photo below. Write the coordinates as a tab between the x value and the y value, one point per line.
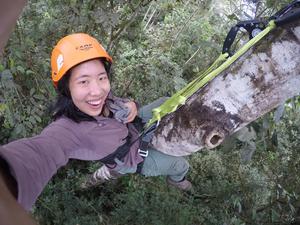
287	14
253	27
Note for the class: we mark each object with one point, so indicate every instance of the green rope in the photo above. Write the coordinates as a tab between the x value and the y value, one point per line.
215	69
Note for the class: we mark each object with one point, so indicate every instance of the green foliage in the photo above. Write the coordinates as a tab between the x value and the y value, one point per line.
23	110
226	191
162	50
157	46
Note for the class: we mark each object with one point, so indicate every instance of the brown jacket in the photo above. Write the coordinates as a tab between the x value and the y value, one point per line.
33	161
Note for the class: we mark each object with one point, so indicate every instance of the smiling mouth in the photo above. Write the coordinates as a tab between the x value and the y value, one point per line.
95	103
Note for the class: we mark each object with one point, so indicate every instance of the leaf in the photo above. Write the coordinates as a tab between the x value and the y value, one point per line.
32	91
28	124
11	63
232	17
29	72
19	128
38	119
3	108
32	119
20	69
40	97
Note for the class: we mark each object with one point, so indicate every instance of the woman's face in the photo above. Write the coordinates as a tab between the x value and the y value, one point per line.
89	86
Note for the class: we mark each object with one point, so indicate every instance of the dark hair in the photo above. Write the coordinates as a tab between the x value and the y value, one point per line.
64	105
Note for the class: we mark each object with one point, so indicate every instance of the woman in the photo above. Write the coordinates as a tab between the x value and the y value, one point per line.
89	124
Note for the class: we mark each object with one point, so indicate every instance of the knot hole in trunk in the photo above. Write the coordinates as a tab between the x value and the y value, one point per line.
213	139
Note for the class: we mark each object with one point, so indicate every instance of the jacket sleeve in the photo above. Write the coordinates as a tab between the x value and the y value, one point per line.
114	98
119	110
33	161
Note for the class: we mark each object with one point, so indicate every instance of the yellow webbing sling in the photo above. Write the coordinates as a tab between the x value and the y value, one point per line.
222	63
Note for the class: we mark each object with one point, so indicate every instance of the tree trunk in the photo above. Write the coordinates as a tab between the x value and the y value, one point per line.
263	78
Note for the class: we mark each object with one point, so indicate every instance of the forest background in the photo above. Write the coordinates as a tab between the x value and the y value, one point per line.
157	47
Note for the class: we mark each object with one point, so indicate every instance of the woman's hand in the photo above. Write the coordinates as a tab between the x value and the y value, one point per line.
11	212
133	111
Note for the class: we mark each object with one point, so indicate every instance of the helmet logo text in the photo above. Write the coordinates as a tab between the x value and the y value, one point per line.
84	47
59	62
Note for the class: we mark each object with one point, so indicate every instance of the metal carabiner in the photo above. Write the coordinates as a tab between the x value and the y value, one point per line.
287	14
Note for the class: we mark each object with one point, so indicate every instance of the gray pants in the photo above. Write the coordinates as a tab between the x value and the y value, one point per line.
158	163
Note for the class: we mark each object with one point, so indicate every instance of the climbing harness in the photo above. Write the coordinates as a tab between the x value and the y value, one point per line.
257	30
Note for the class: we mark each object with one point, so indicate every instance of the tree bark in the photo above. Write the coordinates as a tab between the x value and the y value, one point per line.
263	78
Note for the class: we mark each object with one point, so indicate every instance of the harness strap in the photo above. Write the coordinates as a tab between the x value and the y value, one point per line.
120	153
143	152
123	150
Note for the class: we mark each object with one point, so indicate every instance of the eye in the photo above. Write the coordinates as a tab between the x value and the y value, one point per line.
83	82
102	77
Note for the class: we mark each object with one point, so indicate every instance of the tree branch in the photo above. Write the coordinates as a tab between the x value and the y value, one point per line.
126	24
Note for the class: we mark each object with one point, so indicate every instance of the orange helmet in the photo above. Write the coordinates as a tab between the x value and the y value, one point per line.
72	50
